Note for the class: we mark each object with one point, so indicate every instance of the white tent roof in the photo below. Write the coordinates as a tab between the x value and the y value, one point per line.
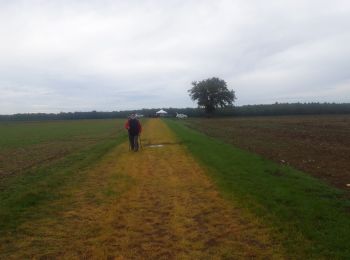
161	112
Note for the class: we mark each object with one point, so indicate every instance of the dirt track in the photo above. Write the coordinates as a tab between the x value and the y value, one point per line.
154	204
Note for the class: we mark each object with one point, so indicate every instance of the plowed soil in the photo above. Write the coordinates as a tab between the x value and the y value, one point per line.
317	144
154	204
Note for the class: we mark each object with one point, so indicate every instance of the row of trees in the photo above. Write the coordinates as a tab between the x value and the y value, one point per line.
248	110
286	109
213	98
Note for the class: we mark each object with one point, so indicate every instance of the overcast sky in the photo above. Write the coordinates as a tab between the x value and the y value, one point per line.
114	55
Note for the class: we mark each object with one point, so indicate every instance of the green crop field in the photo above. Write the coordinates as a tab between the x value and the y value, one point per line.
22	134
29	144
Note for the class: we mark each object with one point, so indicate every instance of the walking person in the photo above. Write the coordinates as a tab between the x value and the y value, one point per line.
134	128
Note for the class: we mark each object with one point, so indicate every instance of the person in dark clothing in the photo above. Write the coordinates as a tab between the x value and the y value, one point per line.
134	128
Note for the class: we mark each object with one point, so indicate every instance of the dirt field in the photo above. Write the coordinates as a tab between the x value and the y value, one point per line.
319	145
155	204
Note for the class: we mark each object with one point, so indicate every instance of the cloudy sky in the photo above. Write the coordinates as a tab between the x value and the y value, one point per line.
101	55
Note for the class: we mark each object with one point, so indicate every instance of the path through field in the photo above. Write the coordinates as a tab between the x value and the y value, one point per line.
154	204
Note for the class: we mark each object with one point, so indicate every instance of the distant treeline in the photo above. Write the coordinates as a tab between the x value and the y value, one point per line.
247	110
287	109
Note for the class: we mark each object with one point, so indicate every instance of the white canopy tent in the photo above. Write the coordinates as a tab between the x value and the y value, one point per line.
161	113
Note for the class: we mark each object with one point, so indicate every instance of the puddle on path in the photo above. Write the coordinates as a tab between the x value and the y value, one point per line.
155	145
159	145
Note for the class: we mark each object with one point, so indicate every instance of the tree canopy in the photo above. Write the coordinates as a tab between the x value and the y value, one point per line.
211	94
246	110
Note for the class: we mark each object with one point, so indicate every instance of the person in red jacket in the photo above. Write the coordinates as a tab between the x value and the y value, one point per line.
134	128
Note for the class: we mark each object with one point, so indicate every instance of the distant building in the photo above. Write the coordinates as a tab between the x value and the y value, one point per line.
161	113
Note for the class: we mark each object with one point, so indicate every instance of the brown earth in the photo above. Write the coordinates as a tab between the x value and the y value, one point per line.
154	204
319	145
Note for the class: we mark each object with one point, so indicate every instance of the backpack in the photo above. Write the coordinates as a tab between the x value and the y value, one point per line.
133	127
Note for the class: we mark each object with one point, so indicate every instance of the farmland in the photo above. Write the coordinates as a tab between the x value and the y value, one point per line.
310	217
24	145
319	145
123	204
37	159
74	190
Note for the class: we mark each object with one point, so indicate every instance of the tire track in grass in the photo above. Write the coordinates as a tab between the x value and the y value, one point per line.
154	204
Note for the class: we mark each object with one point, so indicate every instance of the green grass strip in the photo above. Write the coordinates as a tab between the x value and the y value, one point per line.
25	196
310	217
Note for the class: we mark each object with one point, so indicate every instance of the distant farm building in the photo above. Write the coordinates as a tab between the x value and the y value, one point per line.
161	113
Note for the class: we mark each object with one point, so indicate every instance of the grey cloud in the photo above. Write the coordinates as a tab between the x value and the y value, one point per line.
110	55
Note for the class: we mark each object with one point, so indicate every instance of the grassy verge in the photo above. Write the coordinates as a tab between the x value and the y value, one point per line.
25	196
309	216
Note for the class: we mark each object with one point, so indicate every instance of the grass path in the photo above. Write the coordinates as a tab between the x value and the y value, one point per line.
155	204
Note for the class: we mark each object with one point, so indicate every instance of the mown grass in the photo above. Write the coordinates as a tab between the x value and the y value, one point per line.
29	195
311	218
